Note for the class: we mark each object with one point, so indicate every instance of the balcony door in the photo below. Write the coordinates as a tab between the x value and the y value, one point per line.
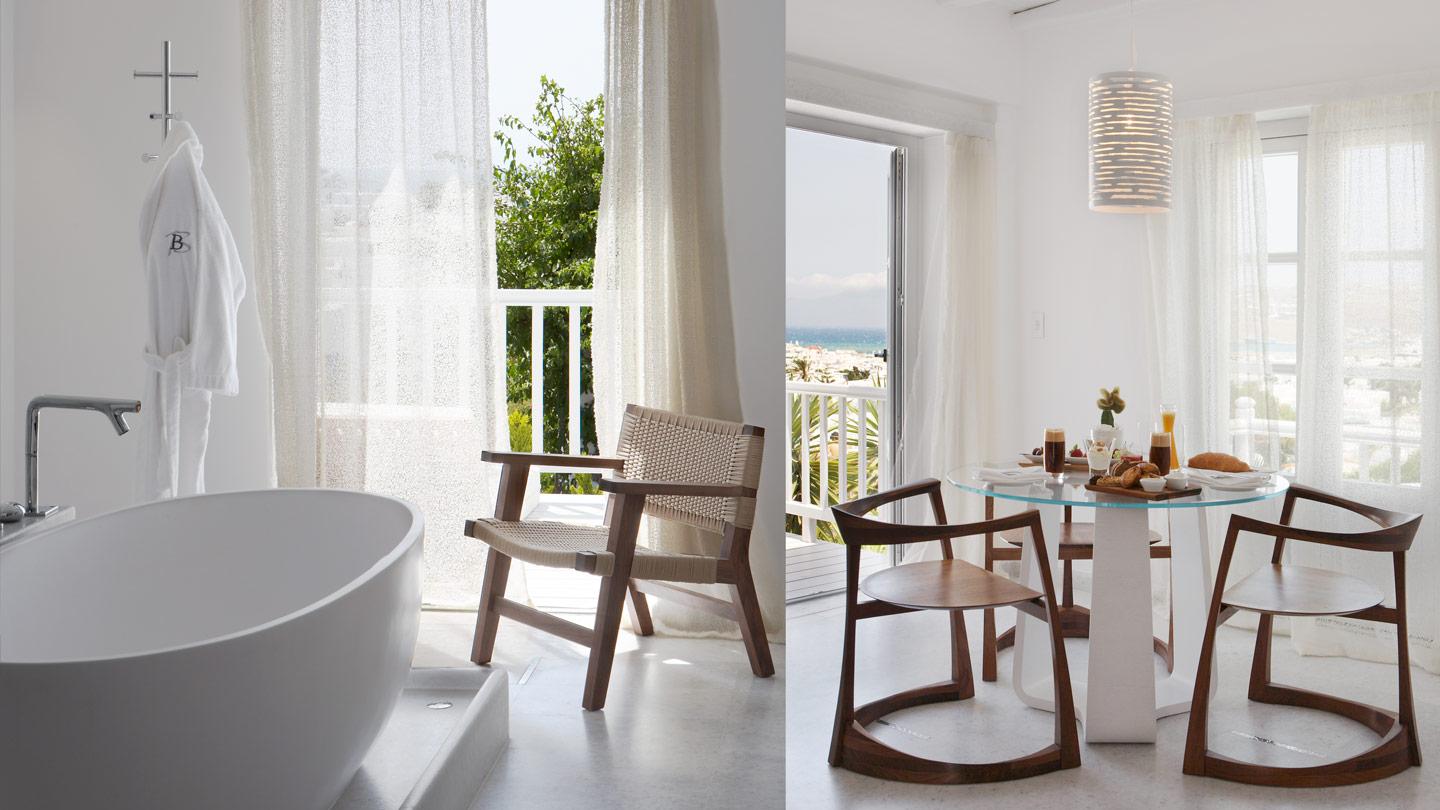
845	196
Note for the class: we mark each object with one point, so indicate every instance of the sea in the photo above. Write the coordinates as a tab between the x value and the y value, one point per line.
837	337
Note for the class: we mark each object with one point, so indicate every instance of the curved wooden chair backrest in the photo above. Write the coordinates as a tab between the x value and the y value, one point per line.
856	529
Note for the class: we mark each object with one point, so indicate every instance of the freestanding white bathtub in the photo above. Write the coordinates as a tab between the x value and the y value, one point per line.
237	651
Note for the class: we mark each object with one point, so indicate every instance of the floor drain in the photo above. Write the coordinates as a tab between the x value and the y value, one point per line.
439	704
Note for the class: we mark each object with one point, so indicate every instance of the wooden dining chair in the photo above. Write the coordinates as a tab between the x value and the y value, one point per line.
699	472
1280	589
954	586
1077	542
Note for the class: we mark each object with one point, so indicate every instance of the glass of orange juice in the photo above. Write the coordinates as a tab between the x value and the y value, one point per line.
1167	424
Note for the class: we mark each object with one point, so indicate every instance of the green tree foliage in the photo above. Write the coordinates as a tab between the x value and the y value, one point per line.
547	197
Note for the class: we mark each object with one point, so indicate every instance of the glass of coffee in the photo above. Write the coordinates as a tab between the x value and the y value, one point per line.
1055	451
1160	450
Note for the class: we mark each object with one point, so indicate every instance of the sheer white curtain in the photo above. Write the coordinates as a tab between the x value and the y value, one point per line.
374	257
948	418
1208	292
1209	310
662	324
1370	349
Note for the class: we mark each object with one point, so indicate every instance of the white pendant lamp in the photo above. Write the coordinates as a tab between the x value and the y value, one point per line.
1132	120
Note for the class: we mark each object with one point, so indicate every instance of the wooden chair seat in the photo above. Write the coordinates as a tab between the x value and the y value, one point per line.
1071	534
1296	590
944	585
553	544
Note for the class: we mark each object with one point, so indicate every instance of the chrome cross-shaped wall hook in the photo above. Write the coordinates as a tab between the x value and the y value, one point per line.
165	74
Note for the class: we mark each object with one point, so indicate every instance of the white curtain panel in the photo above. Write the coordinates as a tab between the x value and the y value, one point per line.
1209	310
663	335
374	257
949	407
1370	351
1208	294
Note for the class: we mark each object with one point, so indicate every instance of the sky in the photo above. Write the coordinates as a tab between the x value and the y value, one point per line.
836	231
562	39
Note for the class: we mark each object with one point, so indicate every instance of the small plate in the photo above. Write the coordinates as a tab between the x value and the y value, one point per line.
1033	458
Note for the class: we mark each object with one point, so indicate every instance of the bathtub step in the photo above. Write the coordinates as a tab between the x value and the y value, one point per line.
435	758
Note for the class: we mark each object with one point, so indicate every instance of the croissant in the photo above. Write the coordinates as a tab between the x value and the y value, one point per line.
1221	462
1128	474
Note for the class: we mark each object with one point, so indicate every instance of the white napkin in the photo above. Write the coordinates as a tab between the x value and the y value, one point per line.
1229	479
1011	475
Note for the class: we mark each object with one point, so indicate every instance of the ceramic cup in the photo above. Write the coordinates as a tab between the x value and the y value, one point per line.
1177	480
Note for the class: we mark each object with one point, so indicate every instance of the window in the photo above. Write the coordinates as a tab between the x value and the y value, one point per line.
1382	289
1284	207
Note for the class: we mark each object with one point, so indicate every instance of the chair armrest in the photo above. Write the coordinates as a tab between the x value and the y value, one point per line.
635	486
1384	540
553	460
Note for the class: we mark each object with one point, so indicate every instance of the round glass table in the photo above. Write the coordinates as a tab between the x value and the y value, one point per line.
1122	695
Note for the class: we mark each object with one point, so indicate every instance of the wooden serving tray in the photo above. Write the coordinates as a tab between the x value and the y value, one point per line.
1137	492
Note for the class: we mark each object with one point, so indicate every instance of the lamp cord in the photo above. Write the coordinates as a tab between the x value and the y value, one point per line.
1132	36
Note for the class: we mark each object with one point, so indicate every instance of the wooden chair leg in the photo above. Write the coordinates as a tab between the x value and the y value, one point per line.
845	699
1405	711
639	611
1067	737
960	670
487	622
1260	663
752	623
1197	737
988	652
607	631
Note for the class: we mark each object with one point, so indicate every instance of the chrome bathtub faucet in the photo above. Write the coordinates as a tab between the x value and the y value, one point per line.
113	408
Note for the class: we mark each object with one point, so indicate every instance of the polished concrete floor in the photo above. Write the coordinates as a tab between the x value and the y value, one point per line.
903	651
686	723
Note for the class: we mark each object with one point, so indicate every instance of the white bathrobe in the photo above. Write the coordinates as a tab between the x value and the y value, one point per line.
195	284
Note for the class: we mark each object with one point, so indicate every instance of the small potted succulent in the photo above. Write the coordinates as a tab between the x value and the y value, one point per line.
1109	404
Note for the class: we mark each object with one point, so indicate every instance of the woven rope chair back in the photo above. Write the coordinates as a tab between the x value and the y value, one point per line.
663	446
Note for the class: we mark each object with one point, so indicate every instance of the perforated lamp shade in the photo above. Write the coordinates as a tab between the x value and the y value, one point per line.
1132	119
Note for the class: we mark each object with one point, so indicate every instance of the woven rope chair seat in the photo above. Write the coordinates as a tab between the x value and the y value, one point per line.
560	545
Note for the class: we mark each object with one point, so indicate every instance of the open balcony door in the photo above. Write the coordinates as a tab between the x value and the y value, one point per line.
845	249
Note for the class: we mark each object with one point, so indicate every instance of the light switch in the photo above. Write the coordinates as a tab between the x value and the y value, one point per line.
1037	325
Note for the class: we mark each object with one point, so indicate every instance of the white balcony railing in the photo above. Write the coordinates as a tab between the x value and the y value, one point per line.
838	447
1249	433
536	301
439	316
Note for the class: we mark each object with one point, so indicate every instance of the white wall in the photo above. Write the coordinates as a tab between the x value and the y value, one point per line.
1223	56
81	125
10	446
752	155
